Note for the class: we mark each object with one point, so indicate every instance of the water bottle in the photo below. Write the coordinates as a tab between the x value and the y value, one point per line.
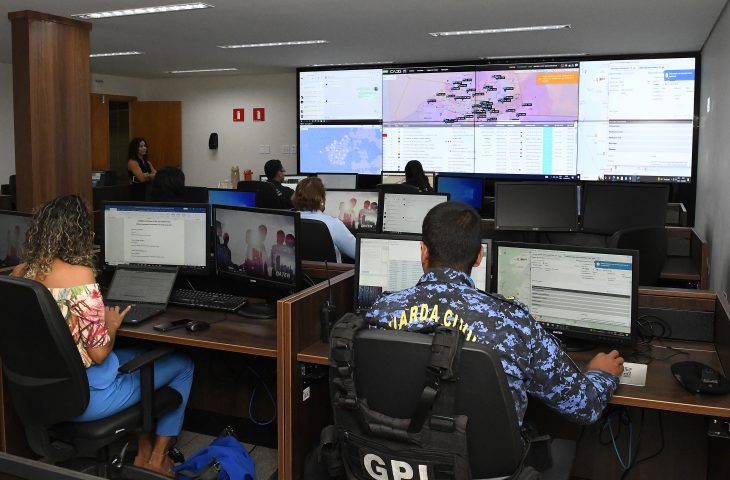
235	176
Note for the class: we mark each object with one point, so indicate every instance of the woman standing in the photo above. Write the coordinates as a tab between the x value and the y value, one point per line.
140	169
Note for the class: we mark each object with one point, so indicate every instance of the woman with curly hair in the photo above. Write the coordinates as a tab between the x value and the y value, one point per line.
58	254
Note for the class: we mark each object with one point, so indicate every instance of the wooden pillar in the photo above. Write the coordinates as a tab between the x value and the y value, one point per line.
51	84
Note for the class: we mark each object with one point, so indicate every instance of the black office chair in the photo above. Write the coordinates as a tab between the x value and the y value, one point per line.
390	372
110	178
266	194
47	381
397	188
651	242
13	191
316	242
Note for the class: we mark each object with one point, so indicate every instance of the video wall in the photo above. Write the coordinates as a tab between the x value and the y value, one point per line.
614	119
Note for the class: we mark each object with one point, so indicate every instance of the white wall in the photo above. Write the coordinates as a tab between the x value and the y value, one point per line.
207	106
713	165
113	85
7	139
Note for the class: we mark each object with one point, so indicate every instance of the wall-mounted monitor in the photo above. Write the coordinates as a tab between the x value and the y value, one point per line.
537	206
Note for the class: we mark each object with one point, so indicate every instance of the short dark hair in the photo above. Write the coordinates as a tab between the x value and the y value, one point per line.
452	233
309	195
168	185
272	167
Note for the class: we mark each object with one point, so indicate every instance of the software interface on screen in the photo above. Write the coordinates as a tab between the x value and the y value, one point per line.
400	177
404	212
390	265
357	209
156	234
536	206
256	245
13	227
347	181
585	292
469	190
616	119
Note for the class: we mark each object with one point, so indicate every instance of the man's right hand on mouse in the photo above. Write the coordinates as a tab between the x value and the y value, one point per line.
611	363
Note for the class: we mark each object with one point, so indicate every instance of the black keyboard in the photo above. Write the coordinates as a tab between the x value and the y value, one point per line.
208	300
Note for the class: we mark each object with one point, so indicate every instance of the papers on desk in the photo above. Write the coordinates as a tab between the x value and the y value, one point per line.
634	374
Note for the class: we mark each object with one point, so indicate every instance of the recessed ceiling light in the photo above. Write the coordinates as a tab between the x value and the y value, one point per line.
349	64
115	54
536	55
535	28
204	70
142	11
275	44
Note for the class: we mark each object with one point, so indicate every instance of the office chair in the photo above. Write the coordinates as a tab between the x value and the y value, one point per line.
266	194
316	242
47	381
388	361
110	178
397	188
13	191
651	242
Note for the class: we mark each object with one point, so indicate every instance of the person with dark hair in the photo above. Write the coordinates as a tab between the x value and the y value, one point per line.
416	177
309	199
274	171
533	361
58	254
140	169
168	185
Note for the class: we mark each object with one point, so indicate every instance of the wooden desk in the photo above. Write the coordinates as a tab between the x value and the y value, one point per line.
687	257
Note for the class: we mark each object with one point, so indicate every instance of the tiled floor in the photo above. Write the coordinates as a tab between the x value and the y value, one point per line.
264	458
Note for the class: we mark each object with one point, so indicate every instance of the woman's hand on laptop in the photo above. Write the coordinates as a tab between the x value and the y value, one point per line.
113	316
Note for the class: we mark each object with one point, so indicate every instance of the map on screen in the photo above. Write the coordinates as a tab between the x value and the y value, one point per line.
341	148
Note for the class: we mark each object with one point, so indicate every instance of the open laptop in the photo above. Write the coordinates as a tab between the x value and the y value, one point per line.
146	288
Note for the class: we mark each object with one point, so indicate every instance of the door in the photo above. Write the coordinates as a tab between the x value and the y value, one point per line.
160	123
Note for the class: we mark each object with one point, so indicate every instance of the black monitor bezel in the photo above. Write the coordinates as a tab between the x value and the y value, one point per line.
474	178
182	269
376	191
382	208
588	187
574	227
571	334
296	285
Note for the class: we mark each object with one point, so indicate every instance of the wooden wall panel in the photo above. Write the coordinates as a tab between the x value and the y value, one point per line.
99	132
160	123
51	79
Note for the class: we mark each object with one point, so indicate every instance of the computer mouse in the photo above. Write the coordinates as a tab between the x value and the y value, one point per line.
197	326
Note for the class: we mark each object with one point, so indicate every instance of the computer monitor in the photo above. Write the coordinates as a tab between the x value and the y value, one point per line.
258	246
13	226
551	206
388	263
289	180
610	207
404	212
97	179
577	293
469	190
358	209
389	177
231	198
338	180
157	234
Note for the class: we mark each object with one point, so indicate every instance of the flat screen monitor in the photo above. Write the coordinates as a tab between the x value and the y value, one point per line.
404	212
537	206
258	246
574	292
357	209
389	263
97	179
610	207
400	177
231	198
338	180
289	180
469	190
13	227
157	234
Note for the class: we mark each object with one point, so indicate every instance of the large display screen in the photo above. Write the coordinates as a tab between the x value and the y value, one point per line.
612	120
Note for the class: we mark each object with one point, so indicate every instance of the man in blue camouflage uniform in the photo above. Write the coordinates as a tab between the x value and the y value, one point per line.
533	361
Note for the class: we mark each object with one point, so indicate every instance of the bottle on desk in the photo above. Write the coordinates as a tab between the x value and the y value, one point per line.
235	176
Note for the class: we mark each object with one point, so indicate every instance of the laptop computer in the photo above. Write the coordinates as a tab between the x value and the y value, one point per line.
146	288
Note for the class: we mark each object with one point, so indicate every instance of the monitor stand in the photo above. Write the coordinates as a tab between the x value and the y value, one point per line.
260	311
575	345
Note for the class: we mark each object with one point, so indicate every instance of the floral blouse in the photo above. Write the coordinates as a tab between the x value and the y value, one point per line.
83	309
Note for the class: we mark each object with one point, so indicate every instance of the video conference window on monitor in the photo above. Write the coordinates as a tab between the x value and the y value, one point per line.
13	227
175	234
357	209
612	119
404	212
576	293
389	263
258	246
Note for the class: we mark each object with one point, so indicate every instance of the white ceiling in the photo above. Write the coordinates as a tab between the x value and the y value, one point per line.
373	31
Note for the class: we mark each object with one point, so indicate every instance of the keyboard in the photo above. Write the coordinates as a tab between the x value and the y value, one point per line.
207	300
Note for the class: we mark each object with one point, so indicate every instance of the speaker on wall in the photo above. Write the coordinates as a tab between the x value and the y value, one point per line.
213	141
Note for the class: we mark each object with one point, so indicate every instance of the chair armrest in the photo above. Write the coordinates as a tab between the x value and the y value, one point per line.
146	358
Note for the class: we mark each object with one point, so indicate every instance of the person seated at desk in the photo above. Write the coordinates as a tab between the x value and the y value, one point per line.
58	254
533	361
274	171
309	199
416	177
140	169
168	185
